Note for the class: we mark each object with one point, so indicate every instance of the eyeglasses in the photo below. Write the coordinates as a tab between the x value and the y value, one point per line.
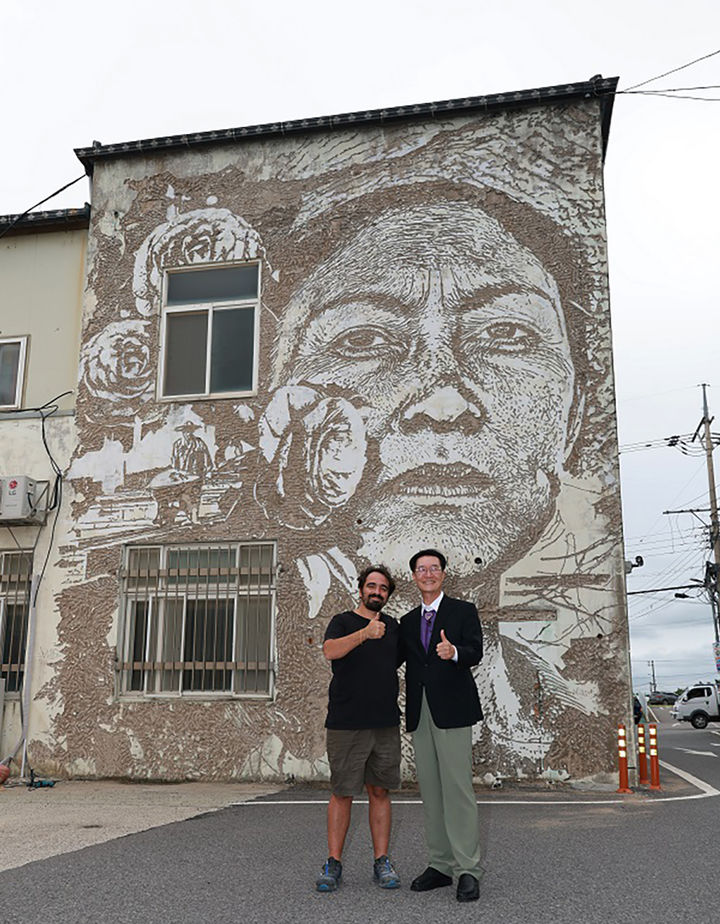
432	569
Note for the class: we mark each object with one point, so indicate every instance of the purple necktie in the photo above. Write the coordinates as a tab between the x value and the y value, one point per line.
427	627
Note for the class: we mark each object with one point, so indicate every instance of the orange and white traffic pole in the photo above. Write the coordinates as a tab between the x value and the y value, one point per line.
622	760
643	777
654	761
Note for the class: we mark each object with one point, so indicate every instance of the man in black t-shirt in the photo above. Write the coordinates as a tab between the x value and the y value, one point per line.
363	723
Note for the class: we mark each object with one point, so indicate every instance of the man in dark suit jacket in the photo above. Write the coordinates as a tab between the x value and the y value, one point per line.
441	641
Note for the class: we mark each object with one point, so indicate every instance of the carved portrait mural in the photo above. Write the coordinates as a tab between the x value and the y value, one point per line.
431	366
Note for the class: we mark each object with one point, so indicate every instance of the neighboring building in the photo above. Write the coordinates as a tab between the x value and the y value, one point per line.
42	277
313	345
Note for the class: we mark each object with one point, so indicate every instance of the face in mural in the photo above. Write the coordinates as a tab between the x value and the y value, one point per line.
453	335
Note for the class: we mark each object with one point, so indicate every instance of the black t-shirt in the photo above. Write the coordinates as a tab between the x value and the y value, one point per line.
364	687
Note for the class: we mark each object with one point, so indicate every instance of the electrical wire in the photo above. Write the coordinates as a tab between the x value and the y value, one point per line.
711	86
700	99
41	202
54	502
673	71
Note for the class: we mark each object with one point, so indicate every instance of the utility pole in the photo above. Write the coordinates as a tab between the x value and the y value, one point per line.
712	580
653	685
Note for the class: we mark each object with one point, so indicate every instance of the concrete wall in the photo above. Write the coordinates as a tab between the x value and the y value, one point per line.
435	369
42	279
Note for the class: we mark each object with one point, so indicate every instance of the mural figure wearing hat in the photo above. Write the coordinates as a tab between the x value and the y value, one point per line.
190	454
177	489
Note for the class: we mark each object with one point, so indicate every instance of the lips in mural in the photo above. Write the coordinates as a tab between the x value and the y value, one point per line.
437	484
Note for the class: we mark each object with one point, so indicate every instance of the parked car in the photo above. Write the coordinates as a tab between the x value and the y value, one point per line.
658	698
699	704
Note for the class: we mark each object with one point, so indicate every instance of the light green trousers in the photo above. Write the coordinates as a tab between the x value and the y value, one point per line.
443	763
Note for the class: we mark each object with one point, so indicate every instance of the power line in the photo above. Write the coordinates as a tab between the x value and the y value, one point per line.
712	86
655	93
673	71
41	202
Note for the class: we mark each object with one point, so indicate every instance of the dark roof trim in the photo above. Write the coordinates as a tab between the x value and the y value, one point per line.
56	220
598	87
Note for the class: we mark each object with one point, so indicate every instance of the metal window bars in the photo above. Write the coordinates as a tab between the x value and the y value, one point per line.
198	619
15	582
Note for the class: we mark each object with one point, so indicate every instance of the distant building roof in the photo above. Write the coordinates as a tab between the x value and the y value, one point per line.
56	220
598	87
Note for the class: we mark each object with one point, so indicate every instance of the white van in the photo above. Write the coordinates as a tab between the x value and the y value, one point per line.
699	704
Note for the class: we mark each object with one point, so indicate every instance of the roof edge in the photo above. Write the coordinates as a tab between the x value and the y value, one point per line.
55	220
597	87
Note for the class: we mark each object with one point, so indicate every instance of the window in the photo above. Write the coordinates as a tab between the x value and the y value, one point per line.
15	577
210	324
12	371
698	693
198	620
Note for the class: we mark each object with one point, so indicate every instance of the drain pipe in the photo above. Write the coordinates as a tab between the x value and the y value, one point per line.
29	655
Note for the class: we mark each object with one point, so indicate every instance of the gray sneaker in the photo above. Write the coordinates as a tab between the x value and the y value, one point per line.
329	879
384	874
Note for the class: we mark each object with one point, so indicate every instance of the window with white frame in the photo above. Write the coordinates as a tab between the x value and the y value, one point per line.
198	619
12	371
210	330
15	578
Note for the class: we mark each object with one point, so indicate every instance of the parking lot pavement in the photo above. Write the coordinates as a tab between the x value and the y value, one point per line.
551	858
39	823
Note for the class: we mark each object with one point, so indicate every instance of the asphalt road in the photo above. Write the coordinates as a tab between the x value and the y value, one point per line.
577	858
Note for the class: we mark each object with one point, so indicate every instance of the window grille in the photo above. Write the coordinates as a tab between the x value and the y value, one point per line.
15	581
198	619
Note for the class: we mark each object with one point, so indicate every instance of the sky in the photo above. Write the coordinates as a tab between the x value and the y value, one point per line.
82	71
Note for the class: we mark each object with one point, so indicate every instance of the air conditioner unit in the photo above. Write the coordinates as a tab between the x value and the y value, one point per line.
20	503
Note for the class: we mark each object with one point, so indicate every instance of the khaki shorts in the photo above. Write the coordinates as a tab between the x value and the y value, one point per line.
363	757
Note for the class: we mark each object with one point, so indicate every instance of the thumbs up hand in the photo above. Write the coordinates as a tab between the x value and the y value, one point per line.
375	629
445	649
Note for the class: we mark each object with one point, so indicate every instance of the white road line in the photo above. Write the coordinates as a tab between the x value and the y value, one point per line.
479	802
706	788
698	753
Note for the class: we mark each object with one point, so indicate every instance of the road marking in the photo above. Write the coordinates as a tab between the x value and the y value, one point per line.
699	753
479	802
706	791
706	788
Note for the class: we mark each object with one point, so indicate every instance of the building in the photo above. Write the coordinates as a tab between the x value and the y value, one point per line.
312	345
42	277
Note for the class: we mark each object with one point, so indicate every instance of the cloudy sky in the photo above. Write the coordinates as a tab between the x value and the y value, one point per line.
80	71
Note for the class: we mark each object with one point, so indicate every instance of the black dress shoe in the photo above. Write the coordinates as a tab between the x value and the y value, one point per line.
468	888
430	879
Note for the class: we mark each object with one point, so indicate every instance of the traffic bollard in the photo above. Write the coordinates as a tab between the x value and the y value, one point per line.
643	777
654	761
622	760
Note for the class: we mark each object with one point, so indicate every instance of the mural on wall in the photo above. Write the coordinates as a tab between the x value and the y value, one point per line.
434	370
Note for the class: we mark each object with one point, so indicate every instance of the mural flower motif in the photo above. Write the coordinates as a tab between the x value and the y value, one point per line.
315	450
115	367
206	235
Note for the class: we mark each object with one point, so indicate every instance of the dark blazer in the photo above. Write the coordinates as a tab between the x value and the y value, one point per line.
449	686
